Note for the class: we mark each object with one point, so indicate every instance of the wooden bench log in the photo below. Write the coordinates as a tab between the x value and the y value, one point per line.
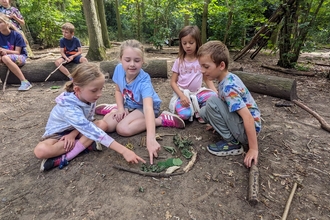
155	68
39	71
275	86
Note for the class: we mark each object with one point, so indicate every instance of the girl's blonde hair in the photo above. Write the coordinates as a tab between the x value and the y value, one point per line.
136	45
82	75
195	33
6	20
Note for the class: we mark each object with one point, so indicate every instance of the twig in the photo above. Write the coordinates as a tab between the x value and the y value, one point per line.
288	203
310	141
191	162
161	175
5	82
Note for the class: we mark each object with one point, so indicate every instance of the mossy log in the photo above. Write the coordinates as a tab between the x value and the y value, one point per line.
275	86
39	71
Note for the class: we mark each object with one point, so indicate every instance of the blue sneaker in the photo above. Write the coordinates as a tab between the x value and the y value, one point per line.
25	85
224	148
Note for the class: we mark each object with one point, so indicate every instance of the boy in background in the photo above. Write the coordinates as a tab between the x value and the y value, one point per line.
70	48
233	114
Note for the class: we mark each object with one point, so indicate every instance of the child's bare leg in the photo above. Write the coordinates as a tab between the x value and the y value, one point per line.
13	67
49	148
64	70
132	124
111	121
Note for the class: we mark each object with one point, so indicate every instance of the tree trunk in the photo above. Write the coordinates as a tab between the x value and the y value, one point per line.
103	22
229	21
96	50
138	18
204	21
119	30
186	20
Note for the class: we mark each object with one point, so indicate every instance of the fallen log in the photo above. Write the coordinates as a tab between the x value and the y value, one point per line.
38	71
155	68
279	87
289	71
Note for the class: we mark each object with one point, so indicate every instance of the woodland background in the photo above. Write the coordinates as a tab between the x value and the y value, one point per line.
300	25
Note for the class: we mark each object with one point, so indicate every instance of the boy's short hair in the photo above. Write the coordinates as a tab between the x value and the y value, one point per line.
216	50
68	26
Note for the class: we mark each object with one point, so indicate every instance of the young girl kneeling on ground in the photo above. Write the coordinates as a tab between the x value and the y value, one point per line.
70	128
186	81
137	104
13	50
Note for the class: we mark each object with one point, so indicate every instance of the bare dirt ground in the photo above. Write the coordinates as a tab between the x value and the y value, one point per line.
293	148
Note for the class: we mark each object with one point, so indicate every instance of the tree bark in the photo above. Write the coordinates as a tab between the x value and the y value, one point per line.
279	87
39	71
119	29
103	22
96	50
204	21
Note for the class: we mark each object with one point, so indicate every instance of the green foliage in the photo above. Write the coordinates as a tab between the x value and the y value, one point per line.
45	18
162	165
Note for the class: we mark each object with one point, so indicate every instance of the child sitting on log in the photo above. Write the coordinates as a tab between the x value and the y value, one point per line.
13	50
70	48
233	114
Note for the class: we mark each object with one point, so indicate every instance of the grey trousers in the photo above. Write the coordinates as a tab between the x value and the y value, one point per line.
228	124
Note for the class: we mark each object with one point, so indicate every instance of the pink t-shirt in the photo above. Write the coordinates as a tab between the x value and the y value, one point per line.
190	76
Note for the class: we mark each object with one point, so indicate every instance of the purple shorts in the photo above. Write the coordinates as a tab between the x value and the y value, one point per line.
20	60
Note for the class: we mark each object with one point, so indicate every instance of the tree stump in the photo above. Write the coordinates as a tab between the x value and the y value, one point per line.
39	71
279	87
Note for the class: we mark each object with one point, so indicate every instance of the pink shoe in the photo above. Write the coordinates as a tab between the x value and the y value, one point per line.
171	120
103	109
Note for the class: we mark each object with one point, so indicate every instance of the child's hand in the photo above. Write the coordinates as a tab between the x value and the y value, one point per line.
120	114
251	155
69	142
131	157
153	147
185	102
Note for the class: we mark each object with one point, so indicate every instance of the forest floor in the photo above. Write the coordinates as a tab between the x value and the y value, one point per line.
293	148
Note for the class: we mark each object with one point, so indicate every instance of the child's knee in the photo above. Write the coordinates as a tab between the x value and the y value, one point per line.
102	124
123	131
38	150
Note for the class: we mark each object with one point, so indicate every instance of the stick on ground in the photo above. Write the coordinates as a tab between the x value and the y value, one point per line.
253	185
324	124
288	203
161	175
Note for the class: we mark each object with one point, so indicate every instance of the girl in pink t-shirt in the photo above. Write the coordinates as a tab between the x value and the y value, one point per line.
186	81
